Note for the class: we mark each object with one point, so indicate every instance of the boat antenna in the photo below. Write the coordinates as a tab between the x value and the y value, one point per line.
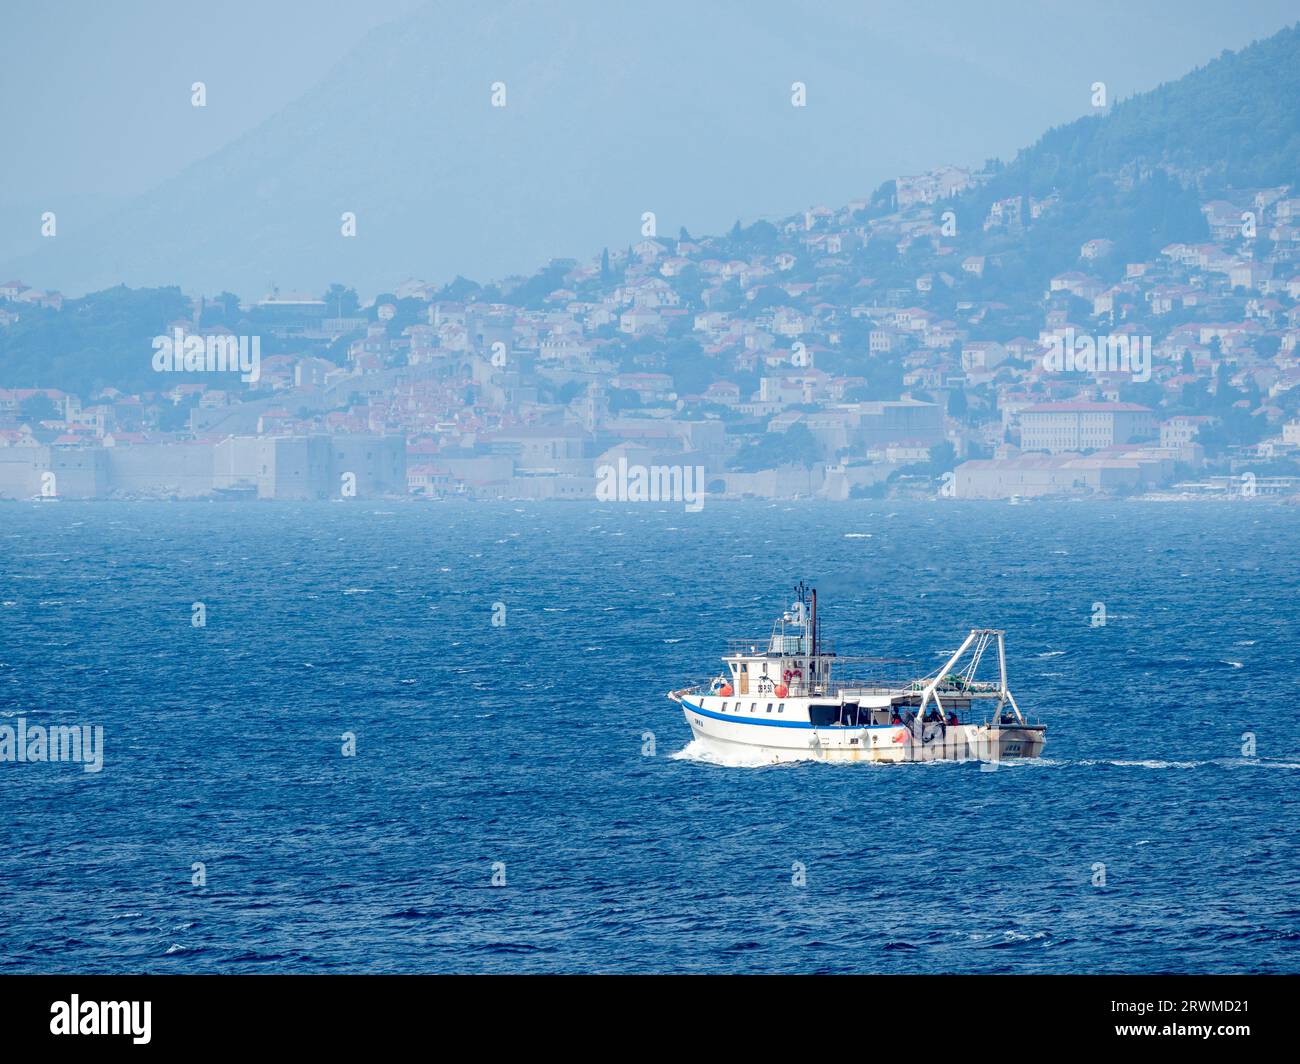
801	600
812	635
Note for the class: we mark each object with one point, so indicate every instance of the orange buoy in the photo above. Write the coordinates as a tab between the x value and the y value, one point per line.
782	690
726	690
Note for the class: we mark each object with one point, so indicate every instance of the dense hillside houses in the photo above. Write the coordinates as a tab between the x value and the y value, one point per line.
895	344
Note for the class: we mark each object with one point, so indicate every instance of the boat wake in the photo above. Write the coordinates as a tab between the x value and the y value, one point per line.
700	752
1154	763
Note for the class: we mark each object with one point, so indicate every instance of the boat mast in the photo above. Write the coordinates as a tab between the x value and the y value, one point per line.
812	636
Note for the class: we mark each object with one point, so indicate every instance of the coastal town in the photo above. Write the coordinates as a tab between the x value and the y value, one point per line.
883	348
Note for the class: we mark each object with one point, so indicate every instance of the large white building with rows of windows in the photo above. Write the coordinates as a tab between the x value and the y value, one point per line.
1079	426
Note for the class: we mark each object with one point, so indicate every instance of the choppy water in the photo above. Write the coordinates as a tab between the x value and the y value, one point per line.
523	744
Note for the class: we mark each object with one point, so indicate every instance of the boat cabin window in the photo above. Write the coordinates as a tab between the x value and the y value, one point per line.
781	708
823	716
769	707
753	706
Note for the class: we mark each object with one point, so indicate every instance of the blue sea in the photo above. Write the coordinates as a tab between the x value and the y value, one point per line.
523	797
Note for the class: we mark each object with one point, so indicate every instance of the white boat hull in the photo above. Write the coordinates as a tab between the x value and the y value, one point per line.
794	740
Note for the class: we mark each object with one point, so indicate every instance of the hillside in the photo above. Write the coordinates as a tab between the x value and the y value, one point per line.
1234	121
1136	173
1135	176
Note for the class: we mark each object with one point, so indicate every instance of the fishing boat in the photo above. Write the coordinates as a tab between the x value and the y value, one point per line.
783	699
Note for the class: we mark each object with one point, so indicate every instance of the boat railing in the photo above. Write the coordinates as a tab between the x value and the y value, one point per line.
872	686
702	688
787	646
878	685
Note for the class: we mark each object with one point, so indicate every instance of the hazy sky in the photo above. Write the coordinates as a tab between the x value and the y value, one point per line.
99	125
97	95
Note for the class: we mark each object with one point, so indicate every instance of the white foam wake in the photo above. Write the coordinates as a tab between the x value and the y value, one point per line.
741	757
